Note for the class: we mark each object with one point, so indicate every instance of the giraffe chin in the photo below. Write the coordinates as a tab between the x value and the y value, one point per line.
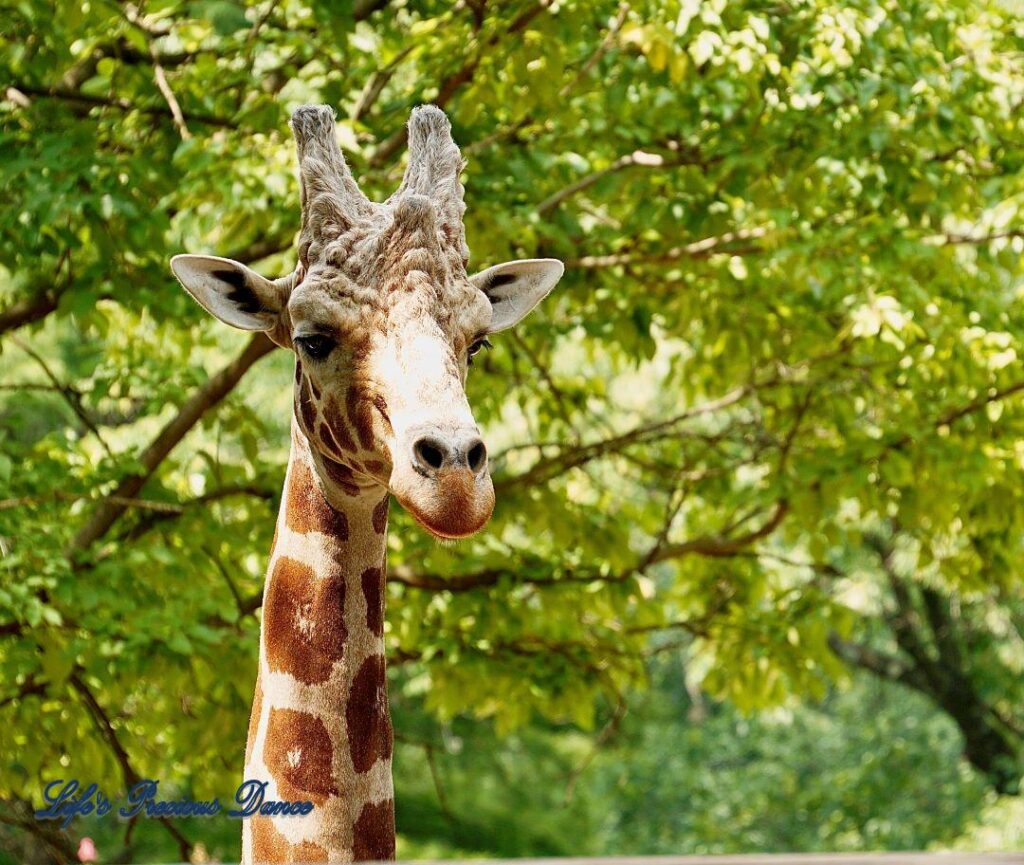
454	505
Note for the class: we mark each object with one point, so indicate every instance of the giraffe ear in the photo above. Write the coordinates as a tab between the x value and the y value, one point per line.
230	291
516	287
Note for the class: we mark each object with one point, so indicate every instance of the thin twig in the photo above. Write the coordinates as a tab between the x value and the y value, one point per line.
599	52
170	508
172	102
607	732
71	396
698	249
191	411
120	104
106	729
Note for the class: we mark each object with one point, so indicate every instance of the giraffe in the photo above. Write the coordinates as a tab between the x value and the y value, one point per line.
384	321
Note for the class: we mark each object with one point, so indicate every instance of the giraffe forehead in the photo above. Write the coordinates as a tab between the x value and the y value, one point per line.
404	247
334	302
422	307
413	301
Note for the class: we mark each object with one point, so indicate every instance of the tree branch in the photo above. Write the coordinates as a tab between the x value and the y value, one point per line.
514	127
452	83
723	546
205	398
953	415
547	468
106	729
375	85
262	248
638	158
976	240
123	51
880	663
71	396
159	515
171	99
698	249
603	47
120	104
943	633
131	777
363	9
30	687
55	841
30	309
715	546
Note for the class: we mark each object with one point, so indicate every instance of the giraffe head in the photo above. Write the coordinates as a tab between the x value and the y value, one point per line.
384	320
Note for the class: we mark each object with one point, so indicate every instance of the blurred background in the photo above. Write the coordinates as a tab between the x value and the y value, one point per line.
753	581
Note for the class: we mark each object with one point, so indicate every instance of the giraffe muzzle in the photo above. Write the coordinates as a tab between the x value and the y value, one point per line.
445	484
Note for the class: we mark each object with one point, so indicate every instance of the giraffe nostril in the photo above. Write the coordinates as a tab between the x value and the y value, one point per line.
438	451
428	454
477	457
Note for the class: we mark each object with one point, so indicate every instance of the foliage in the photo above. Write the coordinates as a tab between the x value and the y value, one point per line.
870	768
998	828
772	416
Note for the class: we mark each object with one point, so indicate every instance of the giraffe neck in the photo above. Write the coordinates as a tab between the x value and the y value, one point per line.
320	729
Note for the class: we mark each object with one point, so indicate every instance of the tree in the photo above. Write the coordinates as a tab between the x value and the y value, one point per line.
772	416
949	647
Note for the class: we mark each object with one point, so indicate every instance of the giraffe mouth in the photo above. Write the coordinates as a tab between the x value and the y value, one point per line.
446	533
454	505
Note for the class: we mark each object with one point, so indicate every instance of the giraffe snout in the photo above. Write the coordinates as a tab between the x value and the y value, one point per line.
434	451
444	482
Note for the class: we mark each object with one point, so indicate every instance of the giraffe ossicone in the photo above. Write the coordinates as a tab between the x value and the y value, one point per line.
383	319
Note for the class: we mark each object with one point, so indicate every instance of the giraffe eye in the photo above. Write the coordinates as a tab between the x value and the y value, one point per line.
315	347
478	346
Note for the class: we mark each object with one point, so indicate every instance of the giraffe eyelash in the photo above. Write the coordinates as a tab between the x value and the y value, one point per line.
476	347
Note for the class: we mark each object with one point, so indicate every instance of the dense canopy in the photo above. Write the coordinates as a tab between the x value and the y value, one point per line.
769	427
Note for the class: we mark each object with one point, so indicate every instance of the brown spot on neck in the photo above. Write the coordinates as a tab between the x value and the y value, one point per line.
372	580
380	515
369	722
374	833
298	754
307	509
303	621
